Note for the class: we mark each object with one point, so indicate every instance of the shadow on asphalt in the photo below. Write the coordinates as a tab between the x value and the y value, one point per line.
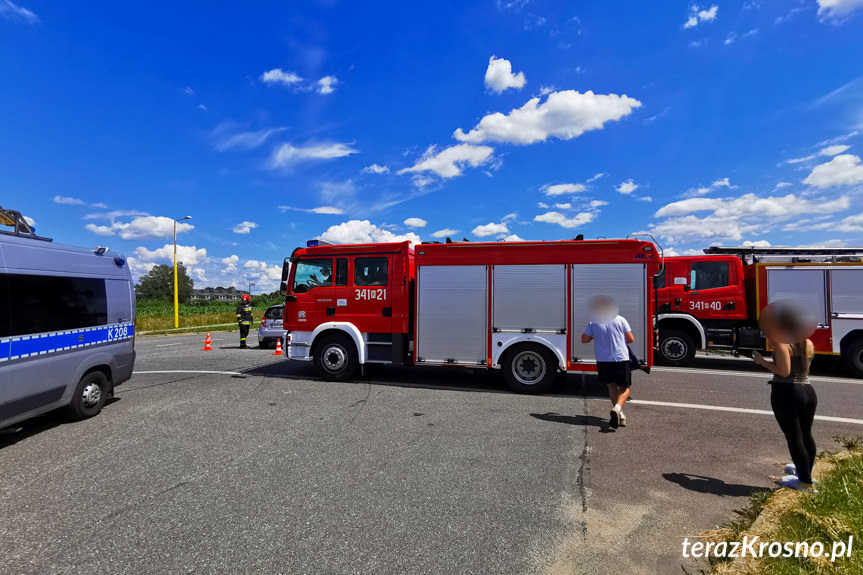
35	426
702	484
443	378
588	420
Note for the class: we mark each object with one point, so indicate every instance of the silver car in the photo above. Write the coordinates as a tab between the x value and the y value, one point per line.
271	327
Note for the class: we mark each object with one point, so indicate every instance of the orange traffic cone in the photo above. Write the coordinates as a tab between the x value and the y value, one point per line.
207	342
278	347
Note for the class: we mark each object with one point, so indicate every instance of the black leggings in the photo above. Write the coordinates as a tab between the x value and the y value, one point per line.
794	407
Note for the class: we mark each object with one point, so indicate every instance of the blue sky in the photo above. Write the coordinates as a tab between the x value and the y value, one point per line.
274	122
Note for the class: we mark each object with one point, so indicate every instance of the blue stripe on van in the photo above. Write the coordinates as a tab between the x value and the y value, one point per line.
25	346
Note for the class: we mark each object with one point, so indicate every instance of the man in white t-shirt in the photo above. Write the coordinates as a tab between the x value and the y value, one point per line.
611	333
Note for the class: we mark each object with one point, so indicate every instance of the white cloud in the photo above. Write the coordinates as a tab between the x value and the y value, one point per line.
449	162
444	233
596	177
852	224
66	200
722	183
499	76
627	187
834	150
510	217
188	91
415	223
30	221
258	271
287	154
837	9
282	77
230	263
490	230
566	206
560	189
697	15
644	199
244	227
513	238
326	85
598	203
563	115
326	210
781	185
12	11
202	107
112	215
376	169
189	255
364	232
579	219
143	227
228	135
732	218
734	36
842	170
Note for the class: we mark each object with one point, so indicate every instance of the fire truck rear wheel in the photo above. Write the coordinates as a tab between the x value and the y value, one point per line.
335	357
529	368
676	347
853	356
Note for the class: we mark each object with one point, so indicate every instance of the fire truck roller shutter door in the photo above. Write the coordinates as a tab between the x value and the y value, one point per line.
452	314
529	298
806	286
626	284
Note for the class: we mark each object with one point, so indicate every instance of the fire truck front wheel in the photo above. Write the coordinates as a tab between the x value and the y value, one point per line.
853	356
529	368
335	357
676	347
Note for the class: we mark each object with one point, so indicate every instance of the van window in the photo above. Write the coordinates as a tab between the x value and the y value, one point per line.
708	275
41	304
370	272
310	274
4	305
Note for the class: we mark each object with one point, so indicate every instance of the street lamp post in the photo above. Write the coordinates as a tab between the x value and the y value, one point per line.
250	288
176	294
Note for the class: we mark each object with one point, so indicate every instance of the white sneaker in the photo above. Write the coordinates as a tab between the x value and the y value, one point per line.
791	482
622	420
614	419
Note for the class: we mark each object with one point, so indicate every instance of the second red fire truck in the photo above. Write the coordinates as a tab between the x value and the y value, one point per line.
712	301
519	307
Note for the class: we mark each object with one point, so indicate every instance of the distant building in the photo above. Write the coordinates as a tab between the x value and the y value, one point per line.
217	294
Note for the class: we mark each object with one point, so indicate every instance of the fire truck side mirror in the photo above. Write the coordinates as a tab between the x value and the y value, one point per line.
283	288
686	287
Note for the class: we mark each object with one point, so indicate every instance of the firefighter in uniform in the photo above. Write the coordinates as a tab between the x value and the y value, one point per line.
244	318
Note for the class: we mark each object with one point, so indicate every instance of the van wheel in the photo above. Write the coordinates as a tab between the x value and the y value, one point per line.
676	348
89	396
529	368
335	358
853	358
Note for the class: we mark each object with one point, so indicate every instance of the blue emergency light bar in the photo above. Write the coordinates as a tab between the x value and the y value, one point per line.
313	243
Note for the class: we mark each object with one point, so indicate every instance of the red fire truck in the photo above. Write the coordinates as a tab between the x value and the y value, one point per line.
712	302
520	307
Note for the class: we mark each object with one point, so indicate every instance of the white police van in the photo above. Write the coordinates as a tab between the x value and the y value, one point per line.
67	325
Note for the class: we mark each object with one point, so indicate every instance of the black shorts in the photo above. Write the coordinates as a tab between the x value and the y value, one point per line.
614	372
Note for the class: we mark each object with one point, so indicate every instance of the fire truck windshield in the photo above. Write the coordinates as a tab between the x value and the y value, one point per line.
310	274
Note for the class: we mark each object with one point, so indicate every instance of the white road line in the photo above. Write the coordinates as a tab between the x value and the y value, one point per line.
188	371
168	344
735	410
763	375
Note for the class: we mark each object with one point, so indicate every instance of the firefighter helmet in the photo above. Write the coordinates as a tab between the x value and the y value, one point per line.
244	297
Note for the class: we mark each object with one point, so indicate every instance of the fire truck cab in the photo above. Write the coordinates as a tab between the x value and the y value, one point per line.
520	307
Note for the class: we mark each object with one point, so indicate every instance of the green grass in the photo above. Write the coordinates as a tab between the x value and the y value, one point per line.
833	514
155	315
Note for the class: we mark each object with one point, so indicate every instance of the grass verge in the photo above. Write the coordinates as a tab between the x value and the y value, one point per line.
830	517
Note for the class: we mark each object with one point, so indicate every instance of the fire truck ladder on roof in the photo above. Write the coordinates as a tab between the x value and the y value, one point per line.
19	225
784	253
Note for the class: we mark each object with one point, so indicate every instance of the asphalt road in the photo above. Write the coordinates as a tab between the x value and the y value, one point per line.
235	461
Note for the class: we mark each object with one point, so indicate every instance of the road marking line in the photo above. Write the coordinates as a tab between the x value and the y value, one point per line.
188	371
735	410
764	375
168	344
